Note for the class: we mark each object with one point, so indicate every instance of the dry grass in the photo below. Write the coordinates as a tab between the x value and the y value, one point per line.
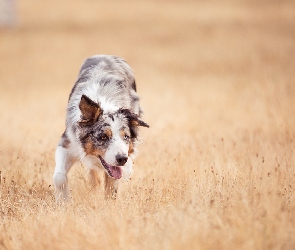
216	170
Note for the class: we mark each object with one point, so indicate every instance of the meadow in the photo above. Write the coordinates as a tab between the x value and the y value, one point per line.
216	168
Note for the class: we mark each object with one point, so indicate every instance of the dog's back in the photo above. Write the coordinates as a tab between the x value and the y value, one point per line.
107	80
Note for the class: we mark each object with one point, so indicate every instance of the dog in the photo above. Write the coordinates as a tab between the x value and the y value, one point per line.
102	121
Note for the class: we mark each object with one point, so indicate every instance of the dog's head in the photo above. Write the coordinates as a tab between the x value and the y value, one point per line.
108	136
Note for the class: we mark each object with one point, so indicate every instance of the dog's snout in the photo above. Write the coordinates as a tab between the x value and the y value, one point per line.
121	159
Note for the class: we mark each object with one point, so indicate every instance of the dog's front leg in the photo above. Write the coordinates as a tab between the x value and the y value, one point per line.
64	162
93	178
90	163
111	187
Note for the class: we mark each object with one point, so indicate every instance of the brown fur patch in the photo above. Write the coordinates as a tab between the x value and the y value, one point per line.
131	149
89	149
122	133
134	123
108	132
88	146
90	111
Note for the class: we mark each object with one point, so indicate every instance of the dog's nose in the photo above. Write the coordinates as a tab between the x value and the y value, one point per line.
121	159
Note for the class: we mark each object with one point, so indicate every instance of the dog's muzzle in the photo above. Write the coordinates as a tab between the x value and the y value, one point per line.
113	171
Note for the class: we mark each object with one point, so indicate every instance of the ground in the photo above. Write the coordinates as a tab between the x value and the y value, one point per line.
216	168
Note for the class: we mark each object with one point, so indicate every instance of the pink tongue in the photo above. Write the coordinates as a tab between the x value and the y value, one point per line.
116	172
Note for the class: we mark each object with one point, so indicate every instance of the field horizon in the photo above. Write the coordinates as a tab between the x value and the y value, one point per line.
216	168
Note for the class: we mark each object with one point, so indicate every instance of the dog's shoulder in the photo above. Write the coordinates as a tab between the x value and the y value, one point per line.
107	71
105	62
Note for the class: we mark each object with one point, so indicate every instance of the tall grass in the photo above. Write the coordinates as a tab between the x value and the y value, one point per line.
216	168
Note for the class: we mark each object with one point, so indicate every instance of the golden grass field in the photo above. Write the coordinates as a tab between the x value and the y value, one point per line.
216	168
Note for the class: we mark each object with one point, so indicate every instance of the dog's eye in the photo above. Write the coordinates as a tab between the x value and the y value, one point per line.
126	137
103	137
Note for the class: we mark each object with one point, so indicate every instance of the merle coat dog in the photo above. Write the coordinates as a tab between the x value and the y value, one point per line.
103	116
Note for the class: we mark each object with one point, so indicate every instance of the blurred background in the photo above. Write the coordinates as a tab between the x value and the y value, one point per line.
224	63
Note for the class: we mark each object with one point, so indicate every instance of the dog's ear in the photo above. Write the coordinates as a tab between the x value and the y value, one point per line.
90	111
134	122
133	118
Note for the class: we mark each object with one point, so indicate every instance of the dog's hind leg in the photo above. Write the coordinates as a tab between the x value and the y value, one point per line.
64	161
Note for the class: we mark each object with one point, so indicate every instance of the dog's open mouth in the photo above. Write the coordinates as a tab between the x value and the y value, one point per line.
113	171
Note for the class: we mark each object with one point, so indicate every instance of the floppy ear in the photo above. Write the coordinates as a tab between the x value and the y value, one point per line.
134	122
133	118
90	111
